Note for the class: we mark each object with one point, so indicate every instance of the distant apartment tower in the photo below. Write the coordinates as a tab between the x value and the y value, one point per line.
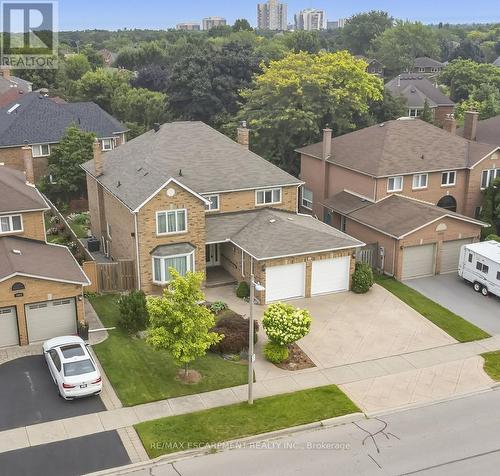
211	22
272	15
333	25
188	26
310	19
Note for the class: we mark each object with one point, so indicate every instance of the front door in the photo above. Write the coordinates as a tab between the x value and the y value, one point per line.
212	255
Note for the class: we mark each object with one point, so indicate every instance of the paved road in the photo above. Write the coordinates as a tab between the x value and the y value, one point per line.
66	458
458	437
31	396
452	292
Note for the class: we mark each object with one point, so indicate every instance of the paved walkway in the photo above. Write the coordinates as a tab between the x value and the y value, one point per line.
354	378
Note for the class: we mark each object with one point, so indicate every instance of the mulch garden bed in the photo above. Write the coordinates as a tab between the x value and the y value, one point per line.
297	359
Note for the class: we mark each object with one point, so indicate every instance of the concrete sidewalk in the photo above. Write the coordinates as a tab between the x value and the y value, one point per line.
397	368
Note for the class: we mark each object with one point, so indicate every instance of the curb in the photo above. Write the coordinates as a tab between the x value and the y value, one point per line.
181	455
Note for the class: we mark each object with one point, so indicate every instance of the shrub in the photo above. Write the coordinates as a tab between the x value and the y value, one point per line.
218	306
234	328
493	237
285	324
362	279
133	313
275	353
243	290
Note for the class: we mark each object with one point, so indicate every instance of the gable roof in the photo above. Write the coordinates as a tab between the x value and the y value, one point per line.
416	89
426	62
16	195
488	131
38	260
402	147
395	215
38	119
269	233
194	154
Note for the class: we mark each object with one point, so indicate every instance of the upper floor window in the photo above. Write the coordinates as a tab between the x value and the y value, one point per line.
434	70
11	223
214	203
421	70
413	112
395	184
171	221
307	198
448	178
268	196
107	144
40	150
419	181
488	176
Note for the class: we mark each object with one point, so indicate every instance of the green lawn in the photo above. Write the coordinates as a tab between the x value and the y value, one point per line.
456	326
492	364
206	427
140	374
80	230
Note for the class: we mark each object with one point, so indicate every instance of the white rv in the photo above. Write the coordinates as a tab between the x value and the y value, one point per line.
480	265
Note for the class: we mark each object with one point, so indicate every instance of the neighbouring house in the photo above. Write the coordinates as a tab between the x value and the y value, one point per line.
185	196
40	122
487	130
438	177
41	284
374	67
417	89
12	87
428	66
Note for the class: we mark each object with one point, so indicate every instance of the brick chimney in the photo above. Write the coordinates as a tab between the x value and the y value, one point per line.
28	165
450	124
96	148
327	143
471	118
243	134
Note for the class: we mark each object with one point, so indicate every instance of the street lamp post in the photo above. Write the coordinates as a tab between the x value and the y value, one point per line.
251	356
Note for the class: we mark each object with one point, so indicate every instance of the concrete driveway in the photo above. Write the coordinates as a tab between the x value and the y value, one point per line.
455	294
29	395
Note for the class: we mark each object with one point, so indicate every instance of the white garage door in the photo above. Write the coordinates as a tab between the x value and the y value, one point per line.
285	282
450	254
330	275
418	261
9	335
51	319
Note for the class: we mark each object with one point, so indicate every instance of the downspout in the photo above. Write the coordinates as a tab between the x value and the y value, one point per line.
394	259
137	259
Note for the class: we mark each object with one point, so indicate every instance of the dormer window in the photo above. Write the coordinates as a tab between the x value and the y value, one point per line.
107	144
40	150
11	223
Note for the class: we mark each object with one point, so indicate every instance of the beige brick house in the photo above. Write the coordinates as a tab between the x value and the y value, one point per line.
41	285
348	179
185	196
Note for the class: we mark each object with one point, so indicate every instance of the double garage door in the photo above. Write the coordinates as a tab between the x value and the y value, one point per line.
289	281
420	261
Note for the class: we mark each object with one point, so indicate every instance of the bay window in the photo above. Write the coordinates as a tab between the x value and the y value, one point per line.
161	265
171	221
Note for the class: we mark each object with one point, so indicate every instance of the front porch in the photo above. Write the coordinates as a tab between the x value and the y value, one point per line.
218	276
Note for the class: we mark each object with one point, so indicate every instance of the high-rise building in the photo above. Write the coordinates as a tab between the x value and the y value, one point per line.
310	19
333	25
190	26
272	15
210	22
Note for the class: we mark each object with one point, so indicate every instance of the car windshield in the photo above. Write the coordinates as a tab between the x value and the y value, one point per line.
78	368
72	350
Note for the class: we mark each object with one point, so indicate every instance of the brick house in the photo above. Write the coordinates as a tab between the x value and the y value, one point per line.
41	284
438	177
416	90
36	120
487	130
427	66
186	196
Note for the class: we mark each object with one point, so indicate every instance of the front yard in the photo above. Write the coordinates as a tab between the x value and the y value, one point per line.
139	374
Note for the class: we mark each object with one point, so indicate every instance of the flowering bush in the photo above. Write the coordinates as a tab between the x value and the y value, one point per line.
286	324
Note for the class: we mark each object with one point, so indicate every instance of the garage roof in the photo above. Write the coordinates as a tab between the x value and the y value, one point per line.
16	195
36	259
268	233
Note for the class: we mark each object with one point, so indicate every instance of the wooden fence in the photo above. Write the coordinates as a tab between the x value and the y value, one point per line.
116	276
368	254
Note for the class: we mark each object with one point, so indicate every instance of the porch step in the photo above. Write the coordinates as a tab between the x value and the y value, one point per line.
224	282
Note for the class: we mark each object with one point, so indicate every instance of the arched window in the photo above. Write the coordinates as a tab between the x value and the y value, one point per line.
448	202
18	287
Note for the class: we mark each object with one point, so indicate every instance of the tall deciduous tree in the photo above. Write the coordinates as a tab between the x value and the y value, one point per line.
297	96
75	66
178	323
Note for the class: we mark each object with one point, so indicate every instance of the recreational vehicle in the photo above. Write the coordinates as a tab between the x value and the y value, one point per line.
480	265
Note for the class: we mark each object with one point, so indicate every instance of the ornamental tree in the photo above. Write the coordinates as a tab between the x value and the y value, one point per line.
177	321
285	324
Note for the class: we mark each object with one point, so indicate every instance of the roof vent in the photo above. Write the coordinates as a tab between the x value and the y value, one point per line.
13	108
290	218
382	125
272	220
156	126
16	252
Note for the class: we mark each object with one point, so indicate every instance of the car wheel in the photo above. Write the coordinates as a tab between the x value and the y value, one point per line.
484	291
477	287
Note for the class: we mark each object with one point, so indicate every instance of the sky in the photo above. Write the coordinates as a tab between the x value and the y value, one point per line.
162	14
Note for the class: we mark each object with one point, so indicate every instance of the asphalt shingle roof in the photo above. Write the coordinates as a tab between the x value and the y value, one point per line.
192	153
15	195
38	119
270	233
401	147
488	131
425	62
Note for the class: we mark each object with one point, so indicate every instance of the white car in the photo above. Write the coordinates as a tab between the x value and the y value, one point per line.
73	369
